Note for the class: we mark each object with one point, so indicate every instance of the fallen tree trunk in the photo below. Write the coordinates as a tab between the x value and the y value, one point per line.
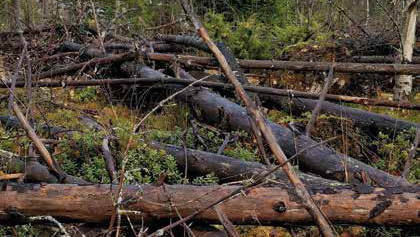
97	61
189	60
325	162
367	121
320	160
382	59
412	69
268	206
227	169
223	86
291	65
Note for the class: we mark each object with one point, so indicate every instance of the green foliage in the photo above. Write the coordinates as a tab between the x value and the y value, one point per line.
240	149
208	179
251	37
86	94
242	153
145	164
394	153
22	230
81	156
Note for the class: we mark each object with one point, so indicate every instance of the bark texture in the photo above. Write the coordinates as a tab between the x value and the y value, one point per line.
268	206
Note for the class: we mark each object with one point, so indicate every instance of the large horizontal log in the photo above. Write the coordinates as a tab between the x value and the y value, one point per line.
292	65
225	86
268	206
228	169
367	121
323	161
320	160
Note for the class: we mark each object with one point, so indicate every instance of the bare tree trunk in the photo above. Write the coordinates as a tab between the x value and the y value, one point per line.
267	206
17	13
404	83
367	14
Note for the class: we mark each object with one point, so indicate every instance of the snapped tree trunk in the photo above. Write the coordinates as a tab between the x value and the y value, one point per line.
404	83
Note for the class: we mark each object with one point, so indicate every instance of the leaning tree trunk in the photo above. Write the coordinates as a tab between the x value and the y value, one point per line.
404	83
94	204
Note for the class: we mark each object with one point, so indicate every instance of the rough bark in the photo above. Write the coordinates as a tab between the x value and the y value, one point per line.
268	206
323	161
268	91
119	58
294	65
369	121
228	169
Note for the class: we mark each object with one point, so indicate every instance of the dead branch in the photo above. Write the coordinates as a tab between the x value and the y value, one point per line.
317	108
260	121
383	59
410	69
411	154
267	91
109	160
97	61
35	139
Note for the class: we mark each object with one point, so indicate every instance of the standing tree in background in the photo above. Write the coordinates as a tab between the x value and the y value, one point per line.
404	83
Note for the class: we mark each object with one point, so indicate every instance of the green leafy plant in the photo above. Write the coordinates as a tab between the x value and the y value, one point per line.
394	153
145	164
208	179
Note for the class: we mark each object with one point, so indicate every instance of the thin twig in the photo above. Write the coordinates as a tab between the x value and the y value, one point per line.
394	22
227	224
101	41
109	160
411	155
260	142
29	85
320	218
318	106
224	144
53	220
166	25
16	74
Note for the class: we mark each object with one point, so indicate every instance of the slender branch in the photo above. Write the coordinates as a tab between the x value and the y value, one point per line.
322	96
411	155
218	85
109	160
324	225
35	139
